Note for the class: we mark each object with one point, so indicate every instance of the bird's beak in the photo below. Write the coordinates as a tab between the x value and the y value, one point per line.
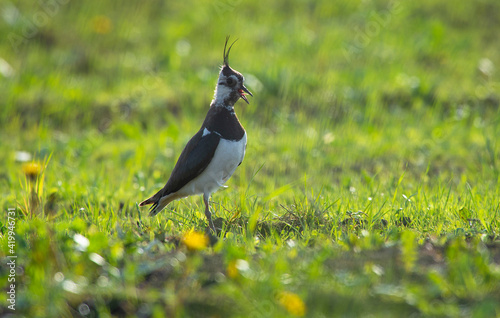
244	91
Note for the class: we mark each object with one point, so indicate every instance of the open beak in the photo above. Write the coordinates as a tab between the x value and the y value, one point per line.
243	92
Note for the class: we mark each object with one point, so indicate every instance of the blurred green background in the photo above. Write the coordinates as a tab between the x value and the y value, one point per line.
355	73
373	126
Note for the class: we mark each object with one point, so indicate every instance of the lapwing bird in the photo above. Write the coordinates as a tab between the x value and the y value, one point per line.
215	151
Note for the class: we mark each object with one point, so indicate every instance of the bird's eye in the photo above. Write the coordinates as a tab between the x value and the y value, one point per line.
230	81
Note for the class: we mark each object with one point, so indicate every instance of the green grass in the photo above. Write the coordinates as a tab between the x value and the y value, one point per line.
370	186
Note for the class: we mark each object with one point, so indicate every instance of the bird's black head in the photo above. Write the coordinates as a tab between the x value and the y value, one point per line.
230	85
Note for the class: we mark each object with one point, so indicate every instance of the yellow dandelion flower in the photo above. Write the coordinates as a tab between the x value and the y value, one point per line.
101	24
232	270
195	241
32	170
292	303
237	267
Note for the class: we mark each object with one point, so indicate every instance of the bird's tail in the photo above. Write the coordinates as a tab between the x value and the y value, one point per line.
148	201
158	203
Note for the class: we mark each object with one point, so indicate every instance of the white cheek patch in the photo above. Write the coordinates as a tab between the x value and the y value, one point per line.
222	92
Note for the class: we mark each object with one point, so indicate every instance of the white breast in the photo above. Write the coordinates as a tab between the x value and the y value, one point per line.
227	157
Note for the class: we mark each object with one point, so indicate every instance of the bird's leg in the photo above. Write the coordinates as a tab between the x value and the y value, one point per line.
208	214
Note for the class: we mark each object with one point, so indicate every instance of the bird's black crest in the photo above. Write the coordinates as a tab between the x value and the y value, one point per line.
226	54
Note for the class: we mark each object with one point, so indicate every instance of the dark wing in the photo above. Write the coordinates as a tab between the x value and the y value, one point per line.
193	160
